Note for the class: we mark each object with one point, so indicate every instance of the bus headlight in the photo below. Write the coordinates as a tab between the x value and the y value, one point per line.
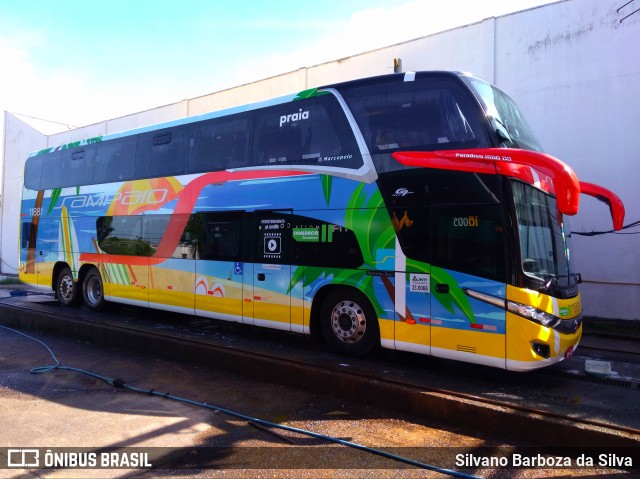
533	314
529	312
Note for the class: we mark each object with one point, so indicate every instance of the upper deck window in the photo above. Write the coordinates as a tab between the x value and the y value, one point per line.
507	120
222	143
312	131
425	114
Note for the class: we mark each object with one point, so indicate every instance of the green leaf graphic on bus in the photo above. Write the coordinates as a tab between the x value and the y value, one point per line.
370	222
326	187
95	139
71	145
44	151
310	93
55	195
308	275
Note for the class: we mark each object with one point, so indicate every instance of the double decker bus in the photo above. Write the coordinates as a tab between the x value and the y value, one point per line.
411	211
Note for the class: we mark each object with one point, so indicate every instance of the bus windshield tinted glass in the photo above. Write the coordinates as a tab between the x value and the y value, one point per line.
544	236
428	114
506	117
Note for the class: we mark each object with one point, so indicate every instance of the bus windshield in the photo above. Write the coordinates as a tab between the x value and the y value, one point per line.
506	118
544	236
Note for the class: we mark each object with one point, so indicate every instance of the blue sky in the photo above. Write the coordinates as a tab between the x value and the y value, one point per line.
83	61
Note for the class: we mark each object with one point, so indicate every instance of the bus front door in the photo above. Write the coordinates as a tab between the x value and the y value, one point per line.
468	254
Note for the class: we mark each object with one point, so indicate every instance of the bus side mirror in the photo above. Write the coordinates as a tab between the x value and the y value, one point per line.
616	207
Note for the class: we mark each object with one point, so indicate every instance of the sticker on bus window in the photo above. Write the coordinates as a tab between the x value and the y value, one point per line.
272	245
306	235
420	283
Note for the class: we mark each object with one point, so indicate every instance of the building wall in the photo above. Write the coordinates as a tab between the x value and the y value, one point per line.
570	65
574	69
19	140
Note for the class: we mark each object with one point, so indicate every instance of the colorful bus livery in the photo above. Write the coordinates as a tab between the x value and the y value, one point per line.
412	211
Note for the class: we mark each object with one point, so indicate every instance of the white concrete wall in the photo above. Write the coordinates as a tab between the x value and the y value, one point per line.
272	87
468	48
574	69
19	140
572	66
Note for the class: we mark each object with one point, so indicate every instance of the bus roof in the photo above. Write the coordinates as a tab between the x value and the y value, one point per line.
381	79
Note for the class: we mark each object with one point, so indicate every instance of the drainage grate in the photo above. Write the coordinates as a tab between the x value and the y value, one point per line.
595	379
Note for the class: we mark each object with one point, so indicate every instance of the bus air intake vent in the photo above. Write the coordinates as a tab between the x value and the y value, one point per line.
466	349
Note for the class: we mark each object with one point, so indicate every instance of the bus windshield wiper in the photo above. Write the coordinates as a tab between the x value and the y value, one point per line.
554	279
503	133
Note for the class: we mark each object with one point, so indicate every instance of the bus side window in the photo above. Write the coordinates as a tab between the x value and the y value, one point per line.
277	144
318	243
313	131
411	224
76	166
42	172
122	235
469	239
162	153
26	231
33	173
221	144
114	160
220	236
153	230
189	244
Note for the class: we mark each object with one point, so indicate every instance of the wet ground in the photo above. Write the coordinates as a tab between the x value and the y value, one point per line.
69	409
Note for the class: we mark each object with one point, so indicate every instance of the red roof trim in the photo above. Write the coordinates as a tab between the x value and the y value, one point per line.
507	162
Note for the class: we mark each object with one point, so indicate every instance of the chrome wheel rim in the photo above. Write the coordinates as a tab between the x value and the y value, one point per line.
348	322
94	290
66	288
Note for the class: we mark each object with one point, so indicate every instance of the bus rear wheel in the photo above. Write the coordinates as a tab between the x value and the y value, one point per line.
67	290
349	323
93	290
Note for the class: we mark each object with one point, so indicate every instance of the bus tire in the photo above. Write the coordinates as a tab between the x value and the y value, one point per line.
67	290
93	290
349	323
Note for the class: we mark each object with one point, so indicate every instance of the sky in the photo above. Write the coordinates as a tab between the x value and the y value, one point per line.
78	62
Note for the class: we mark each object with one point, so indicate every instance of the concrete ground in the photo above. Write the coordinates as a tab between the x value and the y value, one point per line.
65	409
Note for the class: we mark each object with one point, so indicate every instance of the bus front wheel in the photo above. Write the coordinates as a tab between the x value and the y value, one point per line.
93	290
349	323
67	290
